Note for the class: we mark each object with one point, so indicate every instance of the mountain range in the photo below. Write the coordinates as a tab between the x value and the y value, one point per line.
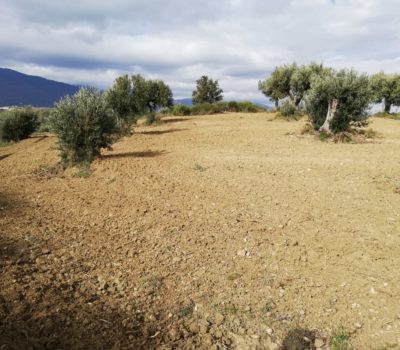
18	89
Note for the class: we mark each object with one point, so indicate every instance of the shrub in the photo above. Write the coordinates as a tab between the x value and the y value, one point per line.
152	118
181	110
248	107
18	124
288	110
233	106
219	107
83	125
44	120
201	109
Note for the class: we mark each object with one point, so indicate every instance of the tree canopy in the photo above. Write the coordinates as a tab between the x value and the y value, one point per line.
347	91
207	91
289	81
385	89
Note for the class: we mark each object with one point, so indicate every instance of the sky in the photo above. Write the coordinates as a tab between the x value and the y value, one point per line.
238	42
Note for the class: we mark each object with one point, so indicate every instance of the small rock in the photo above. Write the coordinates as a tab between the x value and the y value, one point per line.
174	334
193	328
372	291
242	252
203	329
218	334
219	319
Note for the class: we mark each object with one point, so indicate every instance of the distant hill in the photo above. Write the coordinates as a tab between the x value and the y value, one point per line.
18	89
184	101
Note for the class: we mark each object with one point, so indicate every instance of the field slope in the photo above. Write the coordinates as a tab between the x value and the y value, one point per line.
202	232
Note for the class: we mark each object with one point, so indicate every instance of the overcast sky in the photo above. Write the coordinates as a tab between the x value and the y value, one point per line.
237	42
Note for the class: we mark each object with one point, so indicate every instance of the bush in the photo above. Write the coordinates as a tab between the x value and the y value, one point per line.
44	120
218	108
201	109
181	110
233	106
18	124
288	109
248	107
83	125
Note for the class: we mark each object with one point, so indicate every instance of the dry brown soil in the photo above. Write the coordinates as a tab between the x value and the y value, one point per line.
214	232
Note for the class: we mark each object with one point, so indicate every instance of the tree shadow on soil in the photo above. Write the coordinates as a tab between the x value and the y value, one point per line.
175	120
4	156
46	303
159	132
143	154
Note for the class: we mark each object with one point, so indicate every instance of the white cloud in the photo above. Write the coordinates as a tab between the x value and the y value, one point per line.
235	41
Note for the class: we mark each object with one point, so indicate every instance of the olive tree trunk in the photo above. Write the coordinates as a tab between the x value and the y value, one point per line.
387	107
332	108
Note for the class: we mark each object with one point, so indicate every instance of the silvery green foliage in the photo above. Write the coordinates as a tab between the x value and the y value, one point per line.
386	88
83	124
18	123
353	95
290	81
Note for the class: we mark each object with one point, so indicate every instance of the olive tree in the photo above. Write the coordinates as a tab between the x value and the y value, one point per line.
84	125
338	99
289	82
120	99
207	91
134	96
277	86
385	88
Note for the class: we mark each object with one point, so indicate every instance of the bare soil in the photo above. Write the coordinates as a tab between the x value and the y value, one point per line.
214	232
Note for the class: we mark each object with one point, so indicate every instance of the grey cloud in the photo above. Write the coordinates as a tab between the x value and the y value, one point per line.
235	41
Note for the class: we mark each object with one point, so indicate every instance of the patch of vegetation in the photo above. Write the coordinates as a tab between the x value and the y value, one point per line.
307	129
186	311
343	137
214	108
323	136
4	144
341	340
268	307
152	284
44	119
18	123
48	171
233	276
199	167
230	309
181	110
289	110
299	339
83	170
152	119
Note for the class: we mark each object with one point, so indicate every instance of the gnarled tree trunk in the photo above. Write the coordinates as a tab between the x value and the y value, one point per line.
332	108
